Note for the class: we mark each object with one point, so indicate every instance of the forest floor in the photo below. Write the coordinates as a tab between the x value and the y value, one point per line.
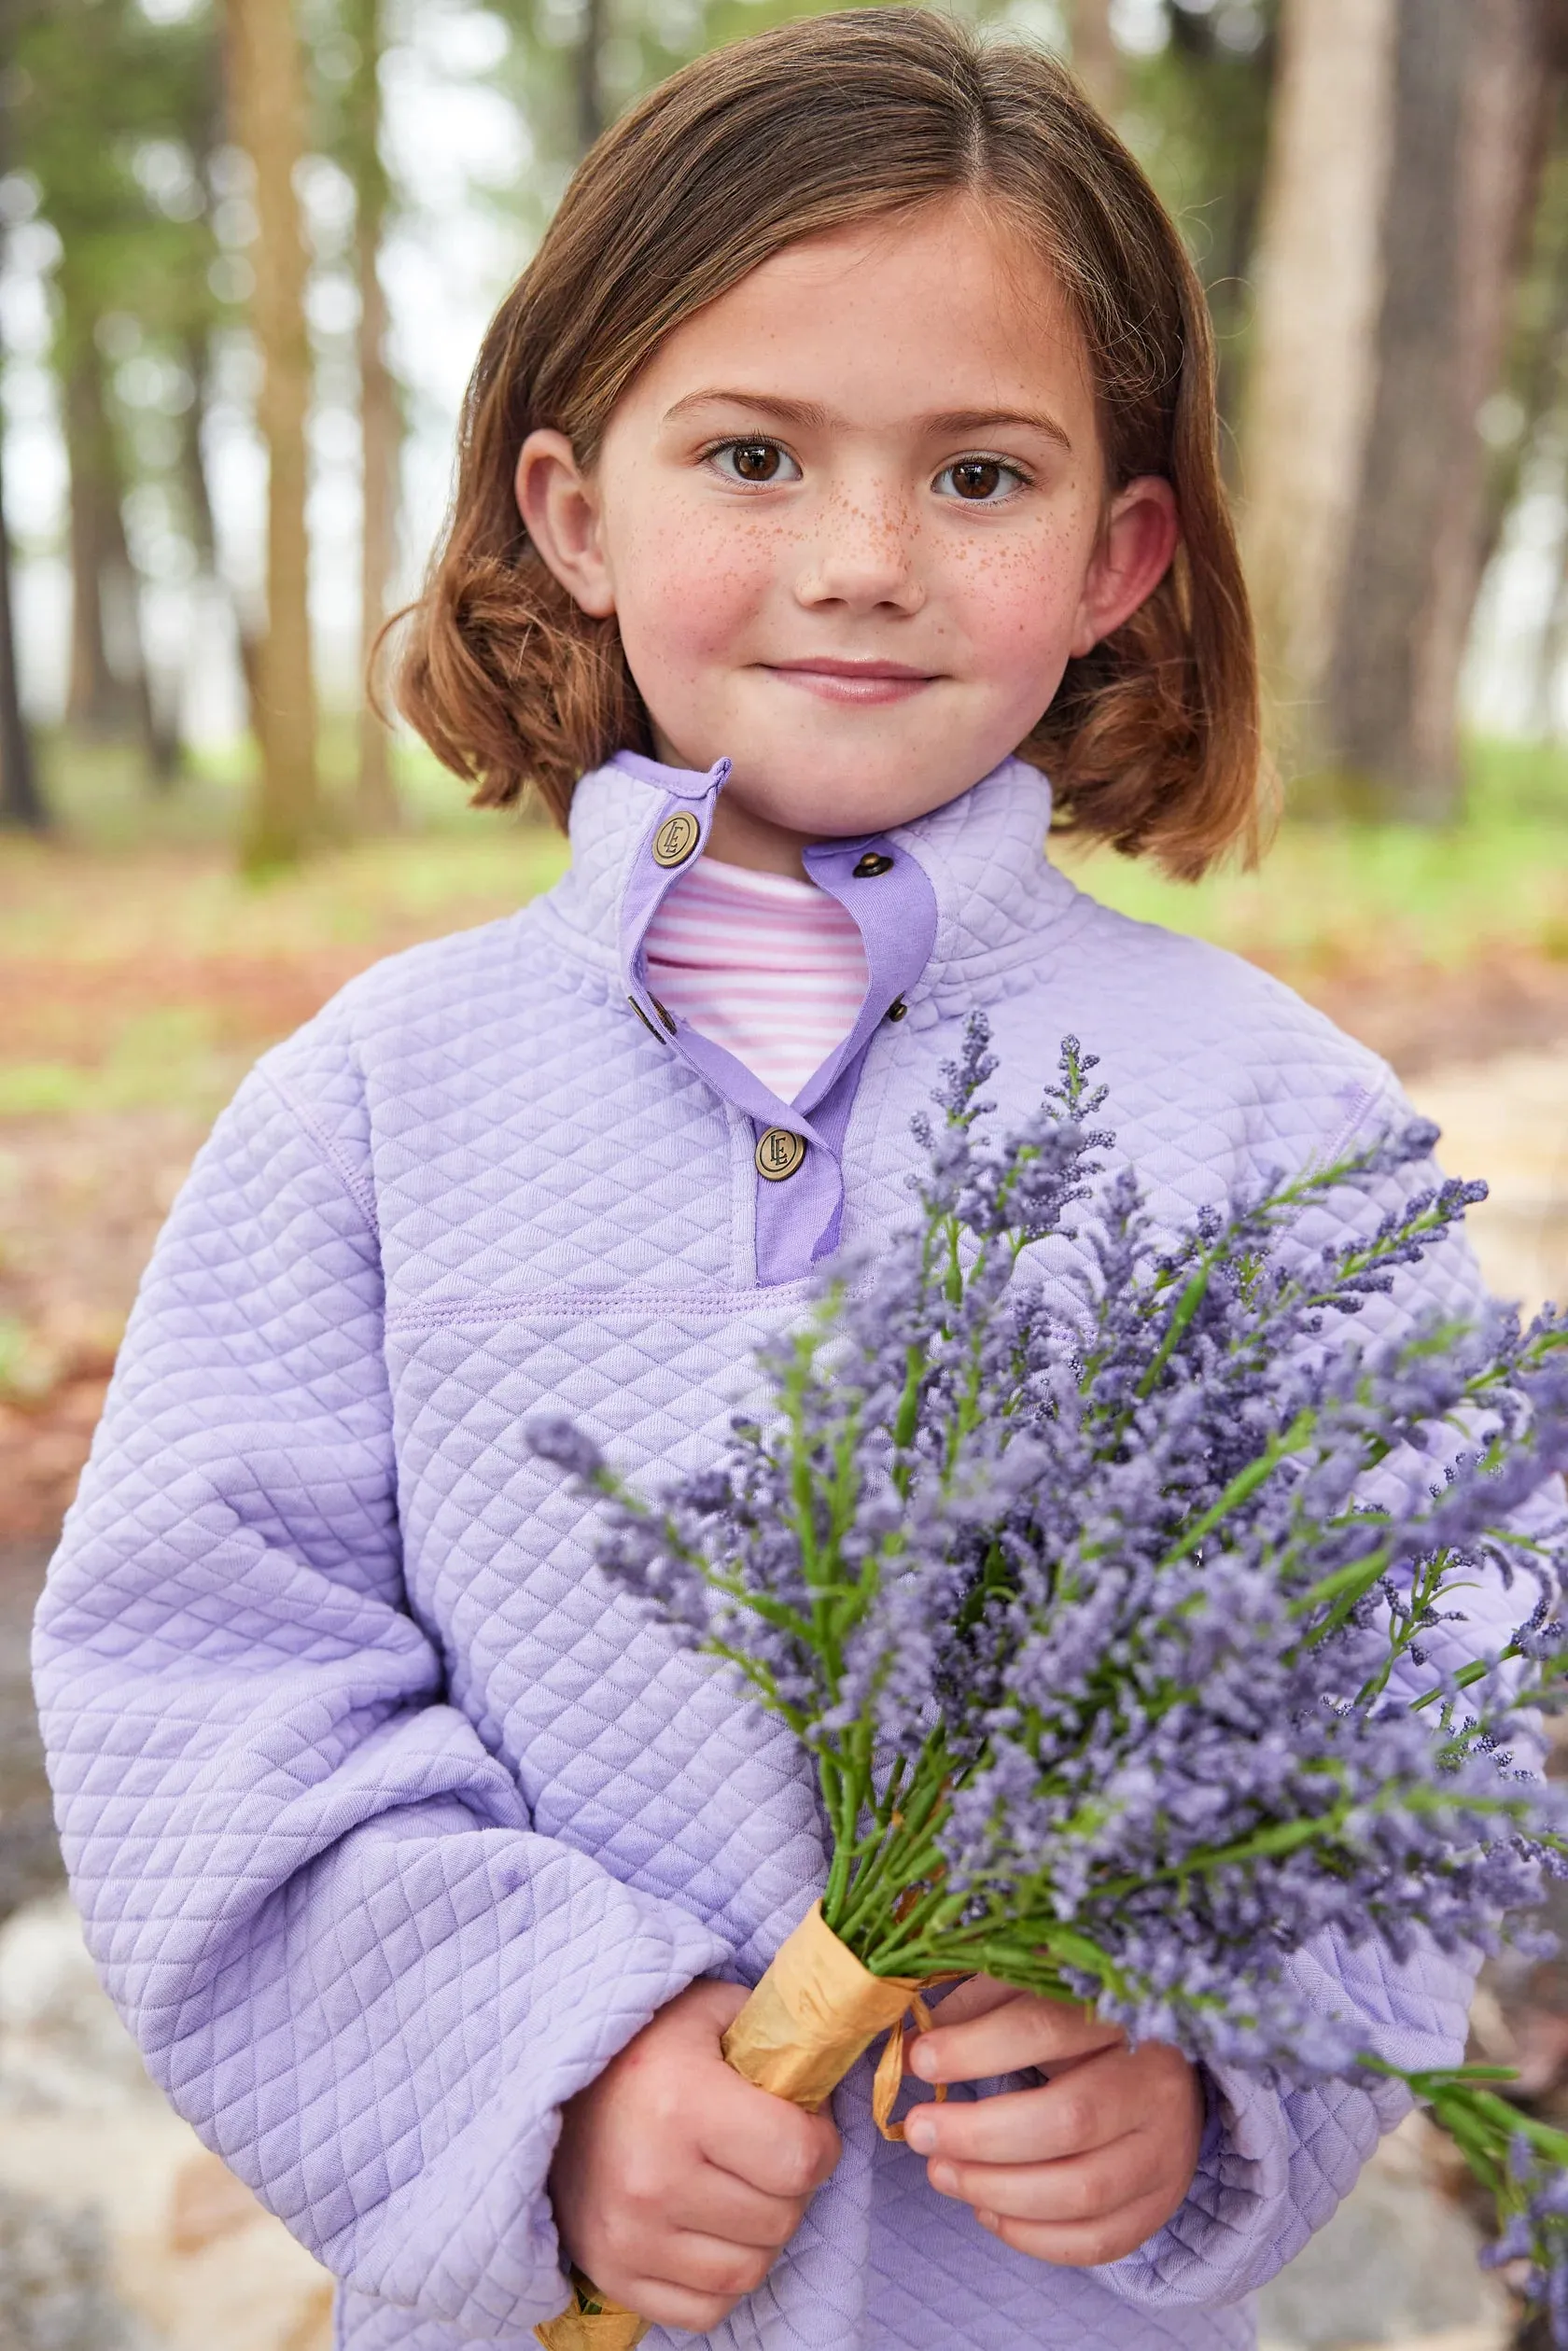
140	976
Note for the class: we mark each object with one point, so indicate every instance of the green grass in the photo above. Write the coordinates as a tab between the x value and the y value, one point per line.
169	1056
99	795
1339	894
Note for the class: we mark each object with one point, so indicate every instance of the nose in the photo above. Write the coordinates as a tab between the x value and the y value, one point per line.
864	555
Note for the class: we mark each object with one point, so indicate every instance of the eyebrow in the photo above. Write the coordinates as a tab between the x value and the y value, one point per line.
960	422
954	424
805	413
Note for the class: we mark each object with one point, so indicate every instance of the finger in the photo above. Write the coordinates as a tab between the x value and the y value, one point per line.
1089	2188
1081	2244
690	2263
1098	2100
716	2204
1022	2032
765	2141
669	2305
954	2004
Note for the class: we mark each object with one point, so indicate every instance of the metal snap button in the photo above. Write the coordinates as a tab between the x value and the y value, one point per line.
897	1009
643	1018
779	1154
664	1013
873	861
676	838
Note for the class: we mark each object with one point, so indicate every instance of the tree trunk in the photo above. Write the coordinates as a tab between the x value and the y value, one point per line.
1467	89
96	701
590	73
21	803
1096	59
109	691
380	421
269	112
1406	148
1318	275
1550	647
198	501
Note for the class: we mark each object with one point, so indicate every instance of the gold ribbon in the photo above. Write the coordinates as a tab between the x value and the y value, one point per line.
815	2011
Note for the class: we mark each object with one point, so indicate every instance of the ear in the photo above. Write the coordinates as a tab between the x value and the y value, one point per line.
560	509
1137	542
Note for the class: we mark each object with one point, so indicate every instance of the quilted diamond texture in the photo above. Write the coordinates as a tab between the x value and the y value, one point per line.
390	1822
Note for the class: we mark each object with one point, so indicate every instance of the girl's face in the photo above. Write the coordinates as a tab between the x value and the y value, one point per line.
852	521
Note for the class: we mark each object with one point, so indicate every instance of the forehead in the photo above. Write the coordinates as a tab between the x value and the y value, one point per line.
944	307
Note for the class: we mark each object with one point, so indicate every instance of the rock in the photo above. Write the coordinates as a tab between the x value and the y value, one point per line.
63	2049
1395	2266
55	2293
189	2258
29	1855
1508	1120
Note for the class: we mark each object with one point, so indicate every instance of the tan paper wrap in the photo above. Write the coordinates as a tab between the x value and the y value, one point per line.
815	2012
592	2322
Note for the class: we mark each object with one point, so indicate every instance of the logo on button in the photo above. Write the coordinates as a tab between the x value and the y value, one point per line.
676	838
779	1154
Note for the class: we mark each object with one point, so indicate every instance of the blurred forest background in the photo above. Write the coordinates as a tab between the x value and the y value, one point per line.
247	248
247	252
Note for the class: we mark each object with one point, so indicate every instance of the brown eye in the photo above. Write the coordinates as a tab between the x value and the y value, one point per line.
754	460
976	477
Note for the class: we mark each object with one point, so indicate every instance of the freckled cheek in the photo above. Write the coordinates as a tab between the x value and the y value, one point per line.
697	592
1017	609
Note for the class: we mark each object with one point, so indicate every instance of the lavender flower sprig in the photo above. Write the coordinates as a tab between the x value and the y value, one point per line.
1114	1586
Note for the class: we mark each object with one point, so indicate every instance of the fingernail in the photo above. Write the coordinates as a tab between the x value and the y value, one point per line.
987	2219
919	2133
922	2060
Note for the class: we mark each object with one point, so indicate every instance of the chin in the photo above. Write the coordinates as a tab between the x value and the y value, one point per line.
826	814
832	798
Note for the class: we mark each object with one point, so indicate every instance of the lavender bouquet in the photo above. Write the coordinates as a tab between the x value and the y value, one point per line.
1118	1596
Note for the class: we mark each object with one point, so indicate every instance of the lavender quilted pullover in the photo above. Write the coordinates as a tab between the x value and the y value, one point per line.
390	1820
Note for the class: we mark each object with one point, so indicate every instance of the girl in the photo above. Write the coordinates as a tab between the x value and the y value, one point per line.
842	467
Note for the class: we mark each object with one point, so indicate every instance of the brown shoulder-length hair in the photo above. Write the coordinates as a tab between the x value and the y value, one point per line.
1152	741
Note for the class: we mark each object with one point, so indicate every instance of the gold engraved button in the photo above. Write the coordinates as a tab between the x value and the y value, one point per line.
779	1154
873	861
897	1009
676	838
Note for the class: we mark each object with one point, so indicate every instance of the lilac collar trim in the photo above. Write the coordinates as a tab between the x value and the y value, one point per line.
888	896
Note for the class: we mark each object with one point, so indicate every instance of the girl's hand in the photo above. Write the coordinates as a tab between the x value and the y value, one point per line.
676	2183
1082	2169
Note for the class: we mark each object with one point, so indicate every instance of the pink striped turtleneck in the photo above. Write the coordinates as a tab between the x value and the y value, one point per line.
771	969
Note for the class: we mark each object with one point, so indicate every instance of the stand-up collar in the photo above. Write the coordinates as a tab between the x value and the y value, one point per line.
997	892
945	907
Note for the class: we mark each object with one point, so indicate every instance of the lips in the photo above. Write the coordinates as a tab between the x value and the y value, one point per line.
834	680
825	665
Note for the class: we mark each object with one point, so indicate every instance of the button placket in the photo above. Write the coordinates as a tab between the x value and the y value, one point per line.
675	841
799	1174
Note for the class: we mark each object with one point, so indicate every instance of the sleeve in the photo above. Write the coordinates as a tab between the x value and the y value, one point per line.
313	1893
1275	2165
